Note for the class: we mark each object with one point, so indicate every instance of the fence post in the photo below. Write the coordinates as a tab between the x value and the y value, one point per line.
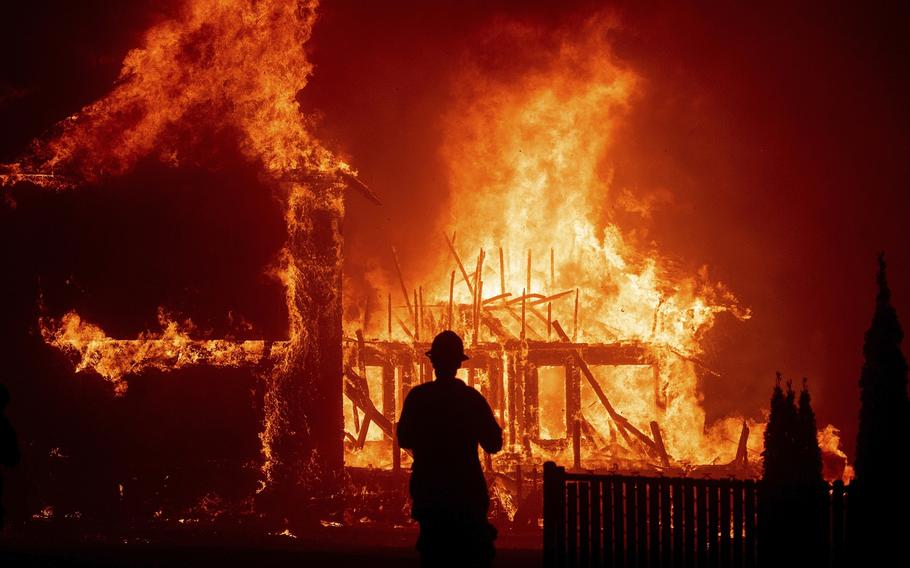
713	505
821	502
619	528
738	496
666	548
596	516
606	505
631	526
584	523
654	521
642	520
554	515
688	504
725	524
750	523
572	524
837	524
678	505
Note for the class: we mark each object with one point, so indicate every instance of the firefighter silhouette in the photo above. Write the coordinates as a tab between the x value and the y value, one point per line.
443	422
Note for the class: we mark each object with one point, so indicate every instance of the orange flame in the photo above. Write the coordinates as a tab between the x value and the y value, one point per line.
237	61
173	348
237	64
529	159
530	169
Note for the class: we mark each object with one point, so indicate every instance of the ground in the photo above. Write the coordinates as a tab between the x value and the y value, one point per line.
337	548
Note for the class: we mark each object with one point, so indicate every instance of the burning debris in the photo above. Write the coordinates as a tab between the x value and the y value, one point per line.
588	353
508	357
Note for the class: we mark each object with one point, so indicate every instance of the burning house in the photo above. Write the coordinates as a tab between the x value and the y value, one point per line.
585	342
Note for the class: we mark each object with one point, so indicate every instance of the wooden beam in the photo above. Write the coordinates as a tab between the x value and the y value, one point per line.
495	298
464	273
357	390
537	313
362	433
512	407
742	449
388	392
528	287
576	444
404	289
551	297
477	312
366	313
575	319
659	443
496	328
404	327
532	401
502	273
416	317
552	269
422	312
525	295
362	366
617	418
549	320
475	307
451	298
523	318
517	316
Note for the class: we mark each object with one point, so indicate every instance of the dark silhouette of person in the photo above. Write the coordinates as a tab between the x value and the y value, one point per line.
443	421
9	447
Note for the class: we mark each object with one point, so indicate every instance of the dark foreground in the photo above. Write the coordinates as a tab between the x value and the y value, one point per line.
335	548
229	556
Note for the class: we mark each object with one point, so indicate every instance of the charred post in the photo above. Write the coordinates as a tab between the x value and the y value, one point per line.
304	458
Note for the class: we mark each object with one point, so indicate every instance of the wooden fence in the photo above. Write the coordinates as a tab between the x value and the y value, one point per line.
633	521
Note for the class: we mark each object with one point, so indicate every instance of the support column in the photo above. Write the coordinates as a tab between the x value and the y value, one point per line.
388	409
302	442
573	394
511	379
407	378
532	402
496	390
521	371
388	392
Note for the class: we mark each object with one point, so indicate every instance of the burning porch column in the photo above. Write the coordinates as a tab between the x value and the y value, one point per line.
302	438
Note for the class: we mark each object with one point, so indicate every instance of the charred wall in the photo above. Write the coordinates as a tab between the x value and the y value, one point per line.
192	241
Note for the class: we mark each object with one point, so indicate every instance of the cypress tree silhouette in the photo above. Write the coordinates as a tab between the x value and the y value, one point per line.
811	499
790	532
884	416
775	452
791	435
775	521
810	464
880	493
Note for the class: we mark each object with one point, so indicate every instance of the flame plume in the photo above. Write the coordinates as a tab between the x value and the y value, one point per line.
528	150
237	64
